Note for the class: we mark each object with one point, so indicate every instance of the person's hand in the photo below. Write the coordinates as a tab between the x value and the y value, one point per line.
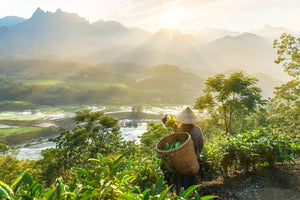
165	119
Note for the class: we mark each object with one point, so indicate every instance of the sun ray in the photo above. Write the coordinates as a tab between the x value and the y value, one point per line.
169	18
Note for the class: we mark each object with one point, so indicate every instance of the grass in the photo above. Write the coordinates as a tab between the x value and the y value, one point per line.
94	84
18	116
19	130
61	109
15	105
45	82
88	84
16	102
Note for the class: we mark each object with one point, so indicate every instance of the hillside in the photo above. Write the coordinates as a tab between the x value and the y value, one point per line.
211	34
248	52
267	84
48	82
62	34
37	68
171	80
11	20
270	33
67	36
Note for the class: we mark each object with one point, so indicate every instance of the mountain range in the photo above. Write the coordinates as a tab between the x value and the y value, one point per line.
11	20
67	36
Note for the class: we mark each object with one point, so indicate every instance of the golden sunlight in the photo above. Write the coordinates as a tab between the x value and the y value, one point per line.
170	18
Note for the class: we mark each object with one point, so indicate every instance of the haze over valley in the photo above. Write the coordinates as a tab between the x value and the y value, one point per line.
69	37
58	62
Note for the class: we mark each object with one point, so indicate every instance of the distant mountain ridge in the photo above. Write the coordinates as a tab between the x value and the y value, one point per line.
11	20
210	34
271	33
62	35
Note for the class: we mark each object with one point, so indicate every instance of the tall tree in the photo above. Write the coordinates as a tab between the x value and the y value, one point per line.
287	96
94	133
288	52
230	98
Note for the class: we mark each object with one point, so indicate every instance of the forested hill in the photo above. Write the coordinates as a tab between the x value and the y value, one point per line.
63	82
59	83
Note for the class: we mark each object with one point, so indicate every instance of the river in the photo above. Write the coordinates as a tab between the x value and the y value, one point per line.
129	133
130	129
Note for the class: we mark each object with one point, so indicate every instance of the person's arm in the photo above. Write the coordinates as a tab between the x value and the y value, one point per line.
201	140
164	120
175	128
198	138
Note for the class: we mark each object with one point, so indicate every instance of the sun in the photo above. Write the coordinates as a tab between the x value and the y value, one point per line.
169	18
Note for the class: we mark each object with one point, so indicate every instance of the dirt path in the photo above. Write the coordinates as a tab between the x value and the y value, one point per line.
277	183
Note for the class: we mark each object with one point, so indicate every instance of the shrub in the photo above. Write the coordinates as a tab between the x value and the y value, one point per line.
113	179
154	133
251	149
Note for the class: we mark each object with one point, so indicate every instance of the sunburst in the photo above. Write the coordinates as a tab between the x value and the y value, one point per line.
169	18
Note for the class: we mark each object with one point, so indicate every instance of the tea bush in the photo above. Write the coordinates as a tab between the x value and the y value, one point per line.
113	179
154	133
249	150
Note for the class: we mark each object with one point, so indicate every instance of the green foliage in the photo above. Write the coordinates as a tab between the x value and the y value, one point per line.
54	164
15	105
94	133
10	167
171	121
230	98
137	108
287	99
106	180
212	126
136	112
251	149
53	83
22	134
288	53
289	91
112	179
146	171
172	146
3	148
154	133
284	116
20	130
30	190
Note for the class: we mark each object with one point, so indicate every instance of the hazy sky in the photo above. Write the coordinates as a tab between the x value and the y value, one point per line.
187	15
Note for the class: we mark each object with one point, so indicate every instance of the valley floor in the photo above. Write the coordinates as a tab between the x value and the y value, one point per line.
276	183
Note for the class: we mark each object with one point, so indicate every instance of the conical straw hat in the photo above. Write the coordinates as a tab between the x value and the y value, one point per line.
187	116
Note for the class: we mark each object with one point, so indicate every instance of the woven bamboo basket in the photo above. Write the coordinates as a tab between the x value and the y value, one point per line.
182	160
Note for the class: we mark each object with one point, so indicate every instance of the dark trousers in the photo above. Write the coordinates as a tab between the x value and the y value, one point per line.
189	180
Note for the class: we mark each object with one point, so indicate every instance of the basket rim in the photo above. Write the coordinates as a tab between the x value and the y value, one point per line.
178	148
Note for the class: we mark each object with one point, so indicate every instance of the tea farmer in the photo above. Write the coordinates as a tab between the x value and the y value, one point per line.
188	118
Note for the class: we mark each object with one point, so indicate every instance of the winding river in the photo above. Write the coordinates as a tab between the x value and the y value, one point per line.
33	152
131	130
